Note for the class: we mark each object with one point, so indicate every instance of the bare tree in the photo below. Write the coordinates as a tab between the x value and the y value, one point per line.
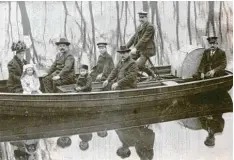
177	25
188	23
93	31
134	15
27	30
145	6
152	6
9	3
65	19
210	19
159	31
45	27
195	19
220	26
126	20
82	31
17	21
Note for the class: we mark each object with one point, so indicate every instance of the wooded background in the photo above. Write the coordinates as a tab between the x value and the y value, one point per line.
85	23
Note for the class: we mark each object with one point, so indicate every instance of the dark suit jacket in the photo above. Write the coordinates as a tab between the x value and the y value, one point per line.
63	66
15	69
125	73
217	62
104	65
85	82
143	40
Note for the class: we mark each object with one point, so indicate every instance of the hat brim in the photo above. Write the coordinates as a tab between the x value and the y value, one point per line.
121	51
58	43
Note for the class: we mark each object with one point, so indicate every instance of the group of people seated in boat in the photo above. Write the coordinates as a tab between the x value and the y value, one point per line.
23	77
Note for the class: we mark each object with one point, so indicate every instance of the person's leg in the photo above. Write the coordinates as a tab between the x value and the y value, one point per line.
48	84
141	65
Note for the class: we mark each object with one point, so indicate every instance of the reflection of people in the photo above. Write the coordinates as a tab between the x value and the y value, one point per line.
20	155
29	80
84	80
15	67
142	138
124	74
143	43
85	138
213	62
62	70
64	142
104	66
102	134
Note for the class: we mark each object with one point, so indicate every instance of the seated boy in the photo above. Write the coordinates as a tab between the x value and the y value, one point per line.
84	80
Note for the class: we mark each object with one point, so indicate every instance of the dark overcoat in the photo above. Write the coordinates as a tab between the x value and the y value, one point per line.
125	74
85	82
143	40
217	62
15	69
104	65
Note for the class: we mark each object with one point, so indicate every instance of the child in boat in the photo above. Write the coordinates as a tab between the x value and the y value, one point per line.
29	80
84	80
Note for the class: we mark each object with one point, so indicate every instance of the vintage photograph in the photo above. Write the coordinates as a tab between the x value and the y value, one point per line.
112	80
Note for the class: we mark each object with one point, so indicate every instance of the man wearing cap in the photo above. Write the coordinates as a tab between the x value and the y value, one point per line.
15	67
124	75
104	65
143	43
213	62
62	70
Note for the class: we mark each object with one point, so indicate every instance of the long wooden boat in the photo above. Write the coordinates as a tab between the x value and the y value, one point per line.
146	94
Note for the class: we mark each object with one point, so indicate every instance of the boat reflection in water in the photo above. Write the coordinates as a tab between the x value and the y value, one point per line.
132	131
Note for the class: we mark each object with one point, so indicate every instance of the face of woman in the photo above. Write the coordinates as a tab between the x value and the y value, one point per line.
29	71
20	55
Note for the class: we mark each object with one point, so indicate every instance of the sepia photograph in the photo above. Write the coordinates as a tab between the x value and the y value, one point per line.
112	80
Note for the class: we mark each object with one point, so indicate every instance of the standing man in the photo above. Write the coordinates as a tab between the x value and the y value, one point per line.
62	70
143	44
213	62
124	75
104	66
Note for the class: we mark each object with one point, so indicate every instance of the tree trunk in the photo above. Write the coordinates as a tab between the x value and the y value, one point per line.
134	15
9	3
82	32
45	28
177	26
126	21
152	6
27	30
195	19
93	32
65	20
220	26
160	32
145	6
210	19
188	23
17	21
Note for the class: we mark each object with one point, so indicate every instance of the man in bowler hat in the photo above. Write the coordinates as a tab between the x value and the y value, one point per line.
62	70
124	75
104	66
213	62
143	44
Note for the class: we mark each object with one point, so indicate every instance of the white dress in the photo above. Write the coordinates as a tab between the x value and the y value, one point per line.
30	84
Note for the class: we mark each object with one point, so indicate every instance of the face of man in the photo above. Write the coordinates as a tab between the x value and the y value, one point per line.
142	19
213	46
62	48
125	55
102	49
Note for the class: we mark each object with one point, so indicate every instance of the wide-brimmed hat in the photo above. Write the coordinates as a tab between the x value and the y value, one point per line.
212	39
123	49
18	47
63	41
24	69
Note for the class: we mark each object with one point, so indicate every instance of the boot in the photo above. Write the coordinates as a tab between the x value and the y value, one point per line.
210	140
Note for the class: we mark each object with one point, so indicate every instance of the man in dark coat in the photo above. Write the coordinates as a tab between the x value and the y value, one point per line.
213	62
15	68
124	75
143	43
62	70
104	66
